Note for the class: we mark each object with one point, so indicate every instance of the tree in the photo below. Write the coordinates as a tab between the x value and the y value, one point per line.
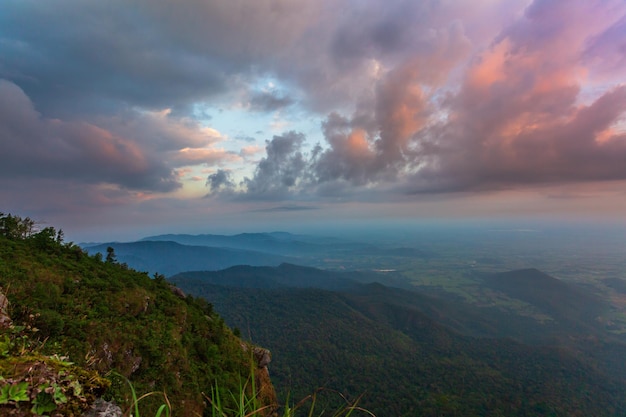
111	257
45	238
14	227
60	236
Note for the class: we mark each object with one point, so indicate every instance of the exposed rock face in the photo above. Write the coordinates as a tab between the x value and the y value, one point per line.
266	392
262	356
178	292
5	320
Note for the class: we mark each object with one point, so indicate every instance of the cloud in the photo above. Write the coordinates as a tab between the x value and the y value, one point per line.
516	118
62	198
284	170
414	96
289	208
152	55
269	101
605	53
156	55
219	180
248	152
37	147
199	156
160	130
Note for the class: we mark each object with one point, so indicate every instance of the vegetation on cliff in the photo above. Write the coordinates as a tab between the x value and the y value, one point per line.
105	316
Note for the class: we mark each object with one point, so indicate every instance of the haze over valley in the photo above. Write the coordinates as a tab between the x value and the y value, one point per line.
454	291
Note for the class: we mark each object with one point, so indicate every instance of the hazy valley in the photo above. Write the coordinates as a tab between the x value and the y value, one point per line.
439	322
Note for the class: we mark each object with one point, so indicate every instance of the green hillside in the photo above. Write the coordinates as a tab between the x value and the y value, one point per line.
106	317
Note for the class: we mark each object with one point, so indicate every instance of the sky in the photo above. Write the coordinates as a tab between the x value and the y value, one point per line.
124	118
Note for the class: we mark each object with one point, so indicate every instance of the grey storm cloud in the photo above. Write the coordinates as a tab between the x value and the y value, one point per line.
92	57
82	56
381	29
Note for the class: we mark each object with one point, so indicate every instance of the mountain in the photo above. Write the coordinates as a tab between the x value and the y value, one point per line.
168	258
104	316
569	305
399	349
575	310
259	249
280	243
286	275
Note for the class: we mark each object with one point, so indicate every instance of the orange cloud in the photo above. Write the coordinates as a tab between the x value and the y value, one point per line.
358	145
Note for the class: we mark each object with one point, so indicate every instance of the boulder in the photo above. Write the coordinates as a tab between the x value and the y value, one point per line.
5	319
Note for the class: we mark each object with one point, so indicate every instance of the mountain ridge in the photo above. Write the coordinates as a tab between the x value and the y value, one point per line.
168	258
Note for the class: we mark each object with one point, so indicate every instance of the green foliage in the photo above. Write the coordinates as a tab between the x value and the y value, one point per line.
48	399
34	383
15	227
111	258
14	393
105	317
164	409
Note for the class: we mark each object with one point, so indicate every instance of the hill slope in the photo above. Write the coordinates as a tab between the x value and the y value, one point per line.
563	302
106	316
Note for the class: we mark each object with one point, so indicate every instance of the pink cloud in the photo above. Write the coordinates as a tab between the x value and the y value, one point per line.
251	151
35	146
161	131
517	118
191	156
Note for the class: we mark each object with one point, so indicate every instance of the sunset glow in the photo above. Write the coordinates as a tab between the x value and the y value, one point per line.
392	110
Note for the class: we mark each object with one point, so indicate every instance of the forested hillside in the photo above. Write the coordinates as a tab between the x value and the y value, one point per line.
380	342
105	317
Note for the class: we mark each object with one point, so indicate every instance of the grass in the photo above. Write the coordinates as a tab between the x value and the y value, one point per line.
164	410
247	404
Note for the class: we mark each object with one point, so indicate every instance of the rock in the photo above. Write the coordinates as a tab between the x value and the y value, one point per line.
178	292
266	393
262	356
102	408
5	319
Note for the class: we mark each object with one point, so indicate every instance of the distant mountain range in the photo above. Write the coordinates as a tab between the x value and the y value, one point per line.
169	258
174	253
414	354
